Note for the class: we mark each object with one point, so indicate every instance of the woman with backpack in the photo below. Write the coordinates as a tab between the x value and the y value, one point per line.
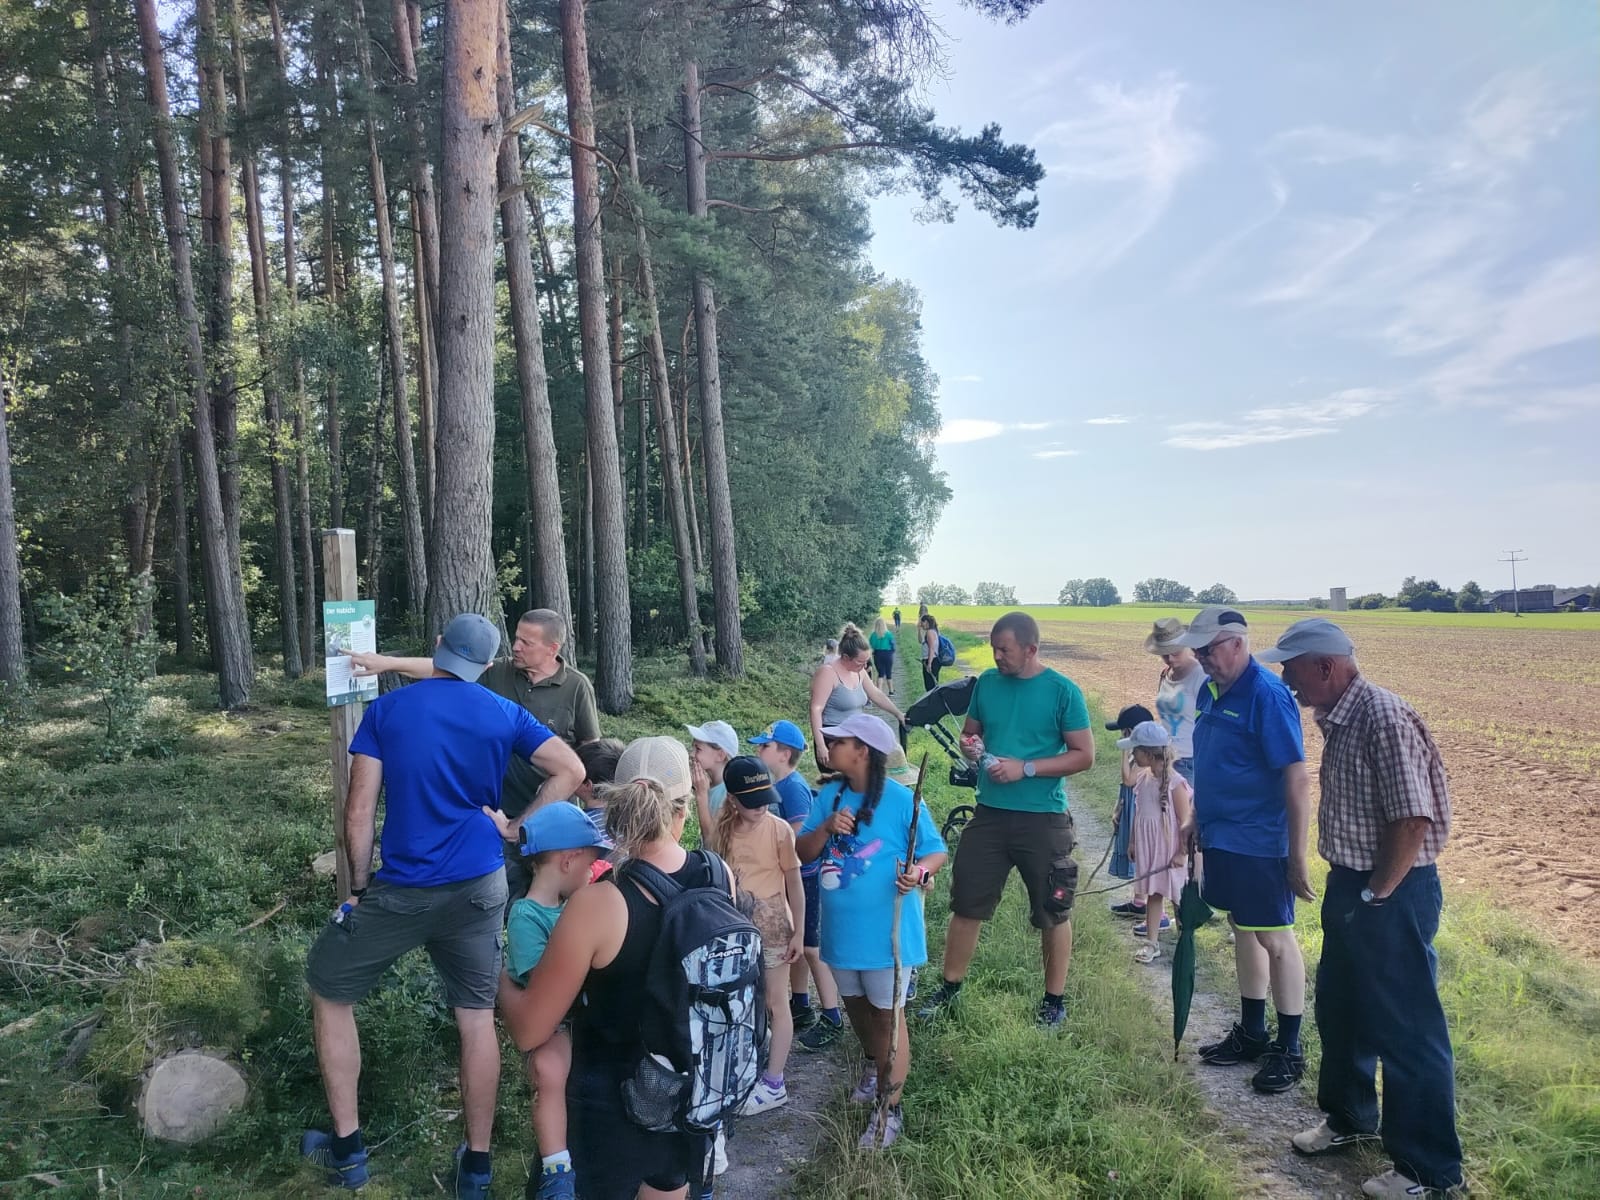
860	826
934	653
601	949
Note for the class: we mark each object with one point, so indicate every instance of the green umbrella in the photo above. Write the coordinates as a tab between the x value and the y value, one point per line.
1193	912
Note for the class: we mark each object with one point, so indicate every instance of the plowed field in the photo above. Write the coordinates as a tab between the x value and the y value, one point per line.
1515	710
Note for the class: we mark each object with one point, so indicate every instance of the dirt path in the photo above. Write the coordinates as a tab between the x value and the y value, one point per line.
1261	1125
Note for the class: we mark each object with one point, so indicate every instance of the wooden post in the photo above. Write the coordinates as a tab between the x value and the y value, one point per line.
339	575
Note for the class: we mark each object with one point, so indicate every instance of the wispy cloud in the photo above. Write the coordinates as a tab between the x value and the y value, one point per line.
1283	423
1122	150
1055	453
1446	264
1113	419
1225	250
968	379
979	429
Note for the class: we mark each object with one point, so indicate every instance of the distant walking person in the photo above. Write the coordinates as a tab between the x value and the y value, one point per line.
440	749
1384	818
897	621
1252	808
928	633
882	643
1028	726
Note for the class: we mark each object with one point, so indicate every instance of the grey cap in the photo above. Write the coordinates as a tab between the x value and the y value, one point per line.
1314	635
1212	622
467	647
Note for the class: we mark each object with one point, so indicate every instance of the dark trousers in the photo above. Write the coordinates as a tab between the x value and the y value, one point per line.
930	676
1378	998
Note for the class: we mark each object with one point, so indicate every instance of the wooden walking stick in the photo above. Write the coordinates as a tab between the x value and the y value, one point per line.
894	950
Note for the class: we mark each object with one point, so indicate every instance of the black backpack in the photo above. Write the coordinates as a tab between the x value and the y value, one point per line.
702	1011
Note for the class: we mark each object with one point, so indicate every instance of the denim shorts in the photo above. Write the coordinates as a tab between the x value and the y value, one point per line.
458	923
813	889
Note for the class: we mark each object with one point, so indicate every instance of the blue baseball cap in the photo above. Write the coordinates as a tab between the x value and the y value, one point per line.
784	733
467	646
561	826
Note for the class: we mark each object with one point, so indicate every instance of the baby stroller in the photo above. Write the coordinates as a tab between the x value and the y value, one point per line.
949	700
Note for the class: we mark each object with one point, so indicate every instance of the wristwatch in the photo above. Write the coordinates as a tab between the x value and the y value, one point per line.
1028	769
1370	900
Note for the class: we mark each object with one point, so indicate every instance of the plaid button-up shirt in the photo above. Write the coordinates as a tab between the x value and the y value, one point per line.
1379	765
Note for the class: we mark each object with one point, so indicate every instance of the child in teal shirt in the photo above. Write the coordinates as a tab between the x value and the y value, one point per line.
564	845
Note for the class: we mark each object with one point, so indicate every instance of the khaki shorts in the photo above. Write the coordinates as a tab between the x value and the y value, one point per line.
1039	845
458	923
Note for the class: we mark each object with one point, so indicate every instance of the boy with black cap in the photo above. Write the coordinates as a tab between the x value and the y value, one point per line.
760	847
563	844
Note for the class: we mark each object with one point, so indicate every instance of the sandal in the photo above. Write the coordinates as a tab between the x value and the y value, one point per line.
1147	953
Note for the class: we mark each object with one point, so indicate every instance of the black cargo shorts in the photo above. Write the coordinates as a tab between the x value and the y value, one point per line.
1038	844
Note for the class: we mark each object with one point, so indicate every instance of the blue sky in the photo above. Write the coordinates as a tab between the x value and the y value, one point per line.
1313	298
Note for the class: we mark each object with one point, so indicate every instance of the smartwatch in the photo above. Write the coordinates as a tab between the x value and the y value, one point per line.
1370	900
1028	769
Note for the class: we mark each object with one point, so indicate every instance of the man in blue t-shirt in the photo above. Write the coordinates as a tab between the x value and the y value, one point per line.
439	748
1252	811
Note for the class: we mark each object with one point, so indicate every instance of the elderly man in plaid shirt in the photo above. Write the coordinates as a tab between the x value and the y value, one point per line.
1384	817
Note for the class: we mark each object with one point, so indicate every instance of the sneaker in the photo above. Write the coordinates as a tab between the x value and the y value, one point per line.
553	1183
719	1154
866	1089
1392	1185
1127	909
1280	1071
1147	953
1237	1047
1050	1015
764	1098
1323	1140
803	1017
1142	929
891	1130
350	1173
821	1035
942	1001
470	1185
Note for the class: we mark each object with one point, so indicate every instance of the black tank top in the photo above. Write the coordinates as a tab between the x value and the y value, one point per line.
606	1024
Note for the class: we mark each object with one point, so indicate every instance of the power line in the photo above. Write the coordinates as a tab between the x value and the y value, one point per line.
1516	596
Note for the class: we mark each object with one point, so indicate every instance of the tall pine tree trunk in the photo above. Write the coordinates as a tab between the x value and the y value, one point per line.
427	376
182	603
219	241
613	617
13	660
461	566
683	406
272	402
232	652
372	518
719	498
328	116
666	434
291	284
549	583
407	41
394	335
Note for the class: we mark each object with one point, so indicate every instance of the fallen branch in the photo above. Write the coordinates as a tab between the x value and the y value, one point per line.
266	916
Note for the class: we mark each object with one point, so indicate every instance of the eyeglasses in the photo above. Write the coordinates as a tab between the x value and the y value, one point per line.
1207	651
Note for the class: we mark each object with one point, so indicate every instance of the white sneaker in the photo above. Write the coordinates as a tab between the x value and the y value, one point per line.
764	1098
719	1153
866	1091
1323	1140
1392	1185
891	1130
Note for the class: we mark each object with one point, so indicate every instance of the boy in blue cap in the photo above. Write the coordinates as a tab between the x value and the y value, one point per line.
779	749
563	844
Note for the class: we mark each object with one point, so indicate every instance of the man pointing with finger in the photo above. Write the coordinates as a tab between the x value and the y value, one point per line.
1252	810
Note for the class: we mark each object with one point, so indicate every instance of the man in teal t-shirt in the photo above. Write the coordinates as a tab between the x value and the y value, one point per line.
1029	728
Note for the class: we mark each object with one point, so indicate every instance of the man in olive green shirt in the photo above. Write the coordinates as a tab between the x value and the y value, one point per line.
535	678
1028	727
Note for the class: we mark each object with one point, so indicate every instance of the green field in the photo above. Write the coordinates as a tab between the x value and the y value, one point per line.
1142	614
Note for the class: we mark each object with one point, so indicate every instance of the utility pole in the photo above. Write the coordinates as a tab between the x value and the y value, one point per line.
1516	596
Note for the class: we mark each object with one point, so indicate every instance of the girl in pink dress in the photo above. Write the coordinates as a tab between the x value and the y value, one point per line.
1161	806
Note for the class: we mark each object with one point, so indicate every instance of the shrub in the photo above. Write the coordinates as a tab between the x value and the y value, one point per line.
1217	594
103	637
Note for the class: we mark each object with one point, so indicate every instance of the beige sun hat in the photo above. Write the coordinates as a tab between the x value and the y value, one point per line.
1163	636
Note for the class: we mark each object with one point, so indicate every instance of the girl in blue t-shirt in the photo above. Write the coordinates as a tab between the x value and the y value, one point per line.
860	827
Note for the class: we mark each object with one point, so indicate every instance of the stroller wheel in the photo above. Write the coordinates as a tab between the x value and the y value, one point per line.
955	822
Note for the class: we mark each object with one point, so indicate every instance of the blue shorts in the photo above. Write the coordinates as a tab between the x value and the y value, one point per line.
1253	891
813	931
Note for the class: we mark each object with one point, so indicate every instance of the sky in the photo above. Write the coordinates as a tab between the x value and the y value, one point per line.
1313	299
